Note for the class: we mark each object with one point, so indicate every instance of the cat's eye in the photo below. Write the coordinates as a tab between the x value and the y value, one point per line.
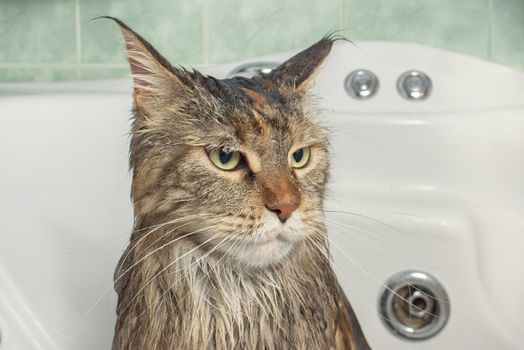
300	157
225	160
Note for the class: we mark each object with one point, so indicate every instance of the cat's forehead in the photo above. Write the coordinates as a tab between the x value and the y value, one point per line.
258	112
270	130
256	92
250	113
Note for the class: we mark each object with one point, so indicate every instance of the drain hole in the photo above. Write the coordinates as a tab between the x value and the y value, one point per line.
419	303
414	305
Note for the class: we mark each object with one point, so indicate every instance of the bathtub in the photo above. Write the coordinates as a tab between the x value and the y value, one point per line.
433	186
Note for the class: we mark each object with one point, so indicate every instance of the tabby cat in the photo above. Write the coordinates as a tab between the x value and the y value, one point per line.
229	248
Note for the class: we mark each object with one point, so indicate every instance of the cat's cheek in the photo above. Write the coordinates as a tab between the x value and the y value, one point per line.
311	205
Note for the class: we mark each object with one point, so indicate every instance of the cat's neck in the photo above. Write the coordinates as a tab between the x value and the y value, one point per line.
211	301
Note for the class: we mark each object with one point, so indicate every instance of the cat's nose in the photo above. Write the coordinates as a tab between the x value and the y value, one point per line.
283	211
281	195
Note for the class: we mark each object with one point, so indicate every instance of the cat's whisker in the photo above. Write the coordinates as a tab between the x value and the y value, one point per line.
363	234
322	251
359	244
178	200
107	290
353	290
160	248
334	131
207	254
370	219
354	228
186	218
170	264
224	255
355	231
167	222
368	274
147	255
187	269
156	228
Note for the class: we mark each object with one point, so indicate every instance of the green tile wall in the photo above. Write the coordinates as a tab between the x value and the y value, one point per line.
35	31
45	40
454	25
508	32
240	29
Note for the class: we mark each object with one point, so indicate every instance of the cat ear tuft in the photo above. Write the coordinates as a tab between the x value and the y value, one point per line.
300	70
152	74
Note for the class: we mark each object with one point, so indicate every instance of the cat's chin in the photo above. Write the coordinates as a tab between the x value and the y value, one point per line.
270	244
266	253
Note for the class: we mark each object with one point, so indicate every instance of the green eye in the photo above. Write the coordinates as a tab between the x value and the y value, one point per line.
300	158
223	159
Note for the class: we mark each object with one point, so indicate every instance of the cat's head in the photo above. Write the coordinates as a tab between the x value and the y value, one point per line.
238	165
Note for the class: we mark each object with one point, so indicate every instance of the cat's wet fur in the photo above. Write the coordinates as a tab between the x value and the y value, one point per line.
208	265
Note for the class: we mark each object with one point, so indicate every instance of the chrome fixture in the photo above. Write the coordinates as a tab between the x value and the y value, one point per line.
252	69
361	84
414	305
414	85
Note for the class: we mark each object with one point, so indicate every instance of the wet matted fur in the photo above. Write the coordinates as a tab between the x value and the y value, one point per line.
228	259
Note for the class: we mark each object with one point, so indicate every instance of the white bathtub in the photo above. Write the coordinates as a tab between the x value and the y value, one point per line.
435	186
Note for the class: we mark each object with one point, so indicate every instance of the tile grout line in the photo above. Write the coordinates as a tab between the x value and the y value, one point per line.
205	31
78	32
79	66
489	47
343	17
58	65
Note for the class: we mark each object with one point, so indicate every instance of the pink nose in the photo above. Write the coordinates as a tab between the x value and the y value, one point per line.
283	211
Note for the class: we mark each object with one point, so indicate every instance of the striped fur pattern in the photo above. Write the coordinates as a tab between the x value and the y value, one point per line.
208	266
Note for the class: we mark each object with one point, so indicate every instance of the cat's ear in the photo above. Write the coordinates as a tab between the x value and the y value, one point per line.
153	76
300	70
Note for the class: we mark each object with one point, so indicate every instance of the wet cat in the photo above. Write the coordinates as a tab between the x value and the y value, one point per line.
229	248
